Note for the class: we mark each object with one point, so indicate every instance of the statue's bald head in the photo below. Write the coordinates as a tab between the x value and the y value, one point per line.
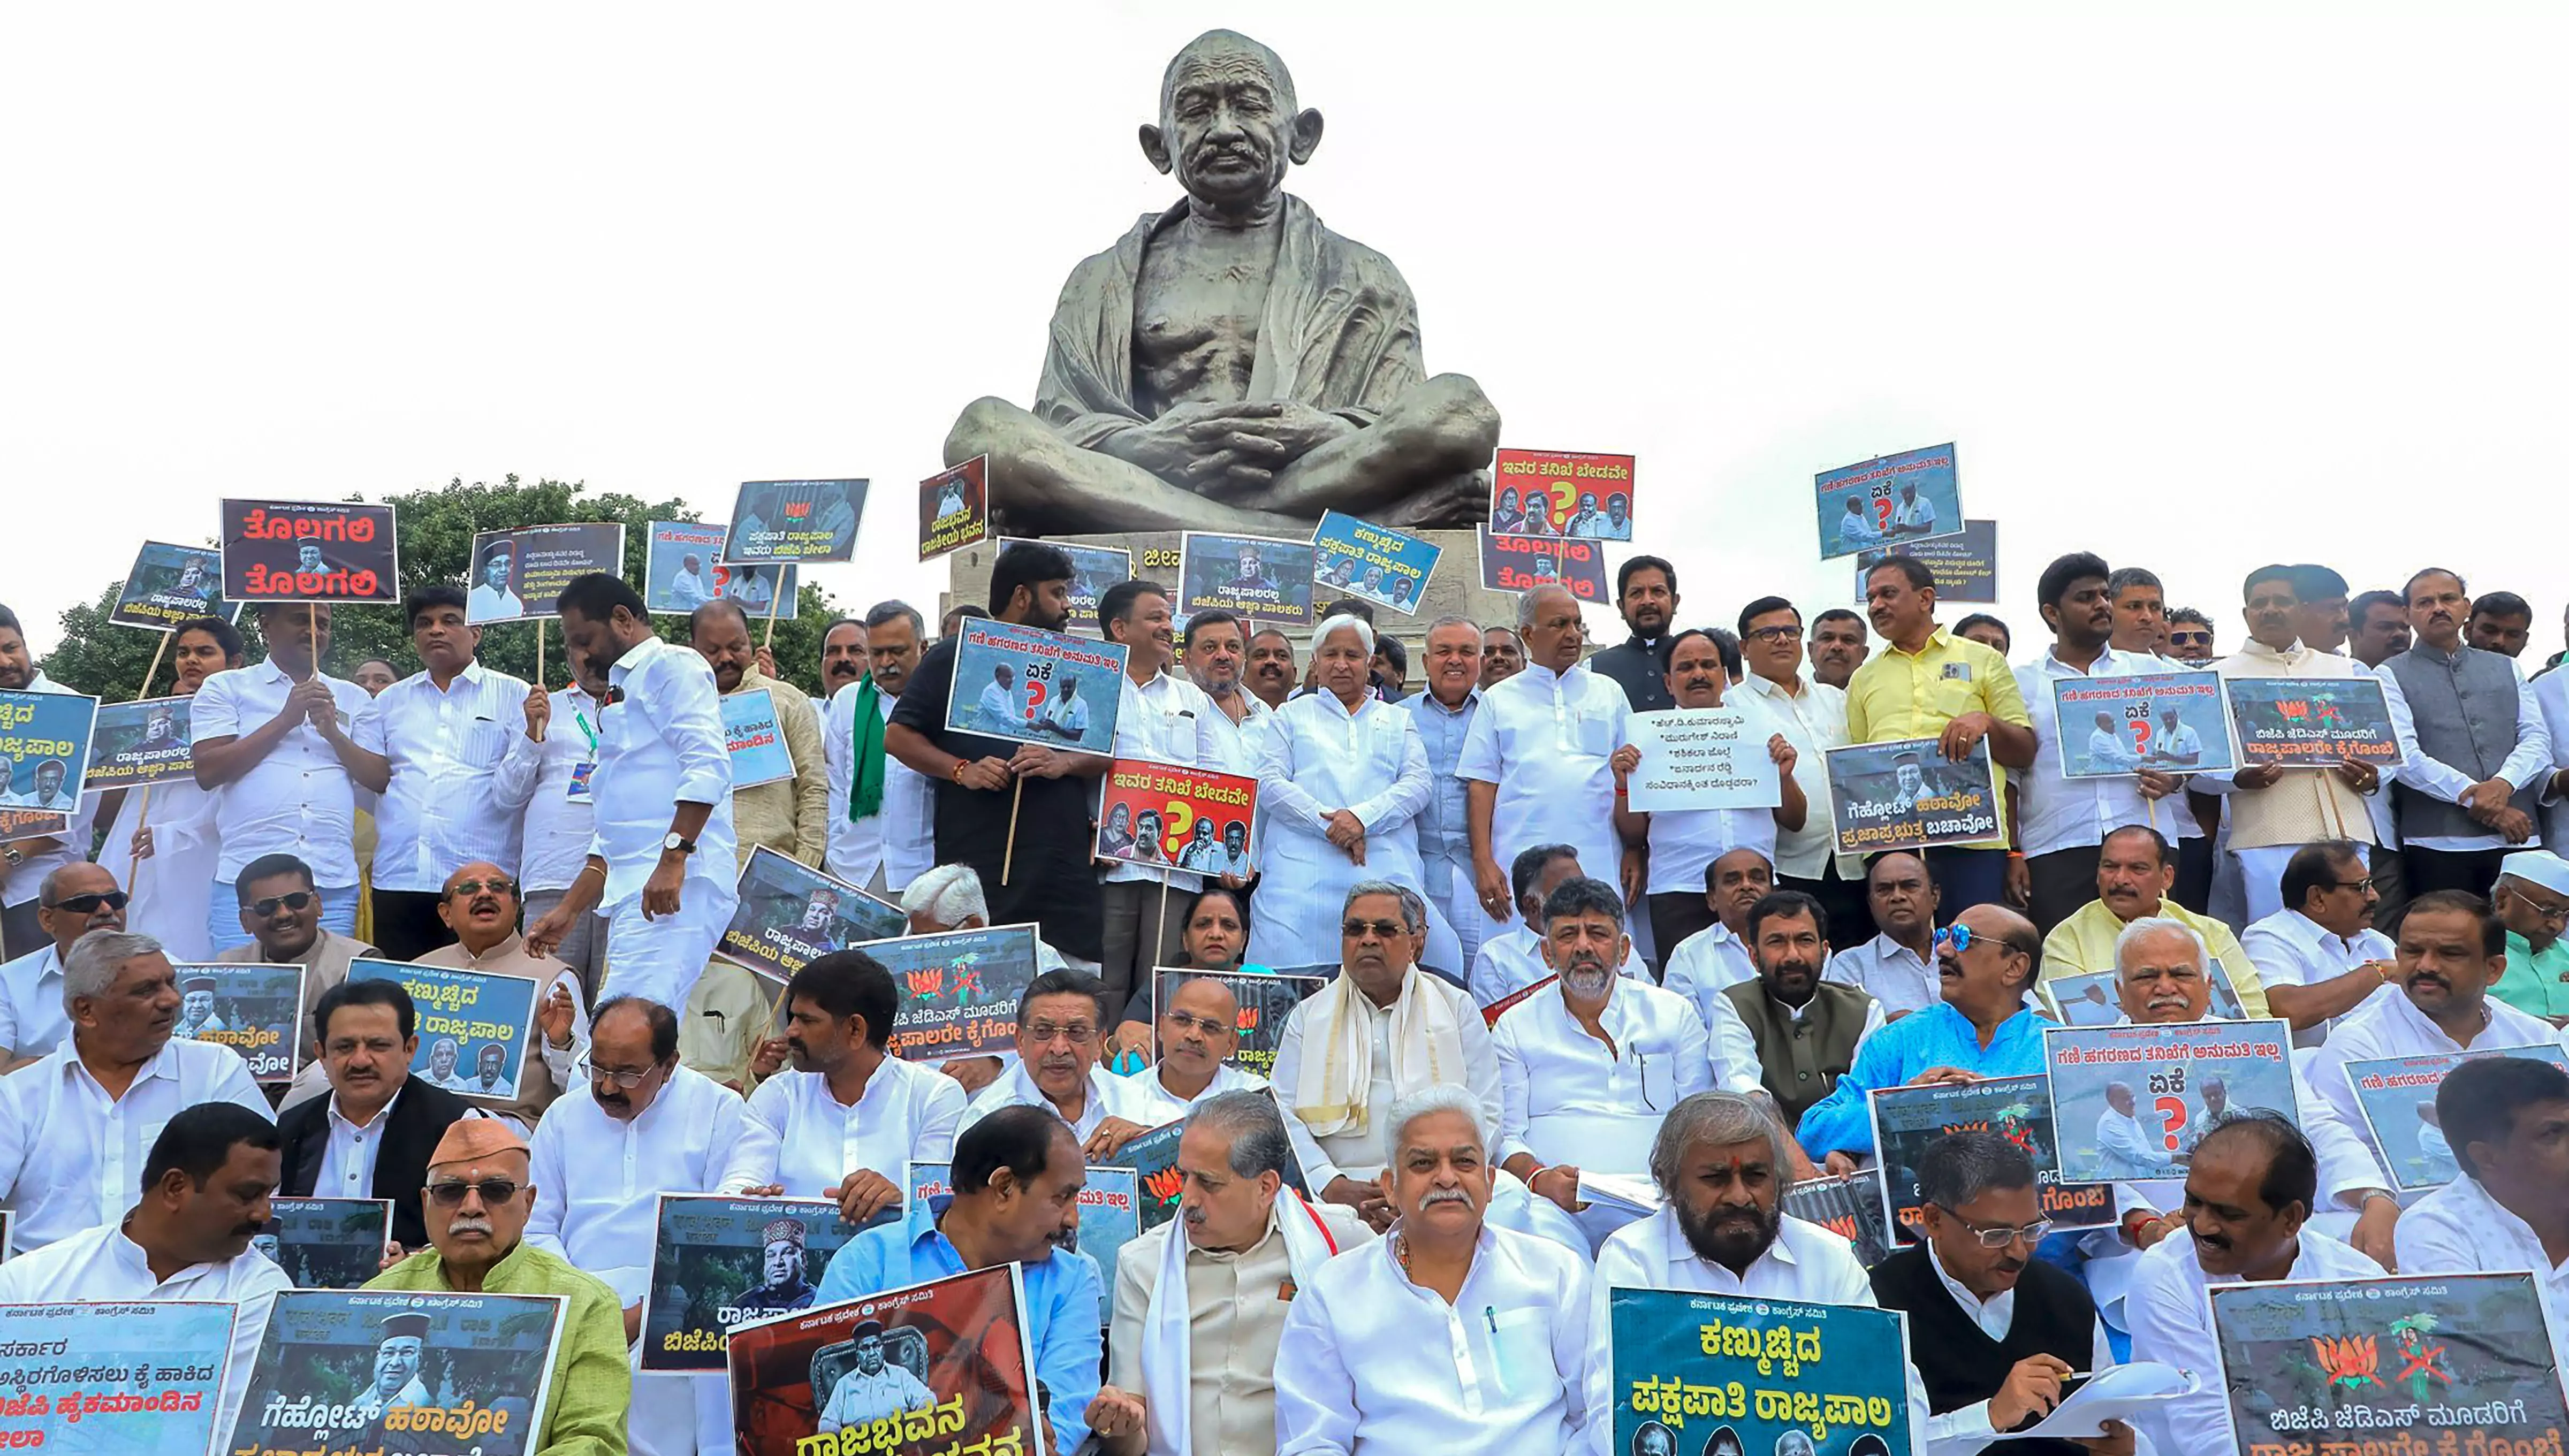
1229	122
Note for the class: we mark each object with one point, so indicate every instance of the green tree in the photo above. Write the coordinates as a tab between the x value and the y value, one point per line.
436	527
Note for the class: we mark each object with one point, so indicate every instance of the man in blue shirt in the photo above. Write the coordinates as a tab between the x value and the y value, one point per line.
1016	1175
1985	963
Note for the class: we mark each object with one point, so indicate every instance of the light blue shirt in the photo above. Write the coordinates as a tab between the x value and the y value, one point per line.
1938	1036
1444	838
1065	1304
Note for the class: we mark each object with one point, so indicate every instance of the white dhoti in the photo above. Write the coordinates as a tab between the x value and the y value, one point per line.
659	958
678	1415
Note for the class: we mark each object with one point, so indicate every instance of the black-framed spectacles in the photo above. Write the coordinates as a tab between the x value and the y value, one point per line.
493	1191
2362	886
1776	634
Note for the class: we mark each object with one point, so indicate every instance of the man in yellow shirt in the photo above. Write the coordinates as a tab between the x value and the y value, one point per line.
1928	683
2134	871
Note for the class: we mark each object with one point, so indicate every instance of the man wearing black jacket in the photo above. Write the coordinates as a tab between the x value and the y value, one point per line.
1645	592
1993	1330
372	1136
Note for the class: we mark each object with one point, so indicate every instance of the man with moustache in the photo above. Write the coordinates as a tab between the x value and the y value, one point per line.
2500	623
1502	655
2533	901
1588	1069
1789	1032
1444	714
1166	719
789	815
2135	869
633	1125
1838	647
2189	636
1646	596
1061	1032
2381	631
1896	968
1713	960
2319	957
1216	655
879	808
1513	960
1273	671
479	907
1200	1300
2472	774
2508	1119
284	913
371	1137
1197	1026
843	656
75	898
1812	717
2248	1198
2321	620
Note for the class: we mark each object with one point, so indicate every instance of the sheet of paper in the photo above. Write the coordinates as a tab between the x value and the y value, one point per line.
2118	1394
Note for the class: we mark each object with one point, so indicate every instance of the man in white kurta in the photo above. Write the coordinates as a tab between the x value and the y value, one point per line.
1536	765
1061	1029
1197	1027
2321	949
1713	960
1589	1068
1449	1335
1512	960
639	1125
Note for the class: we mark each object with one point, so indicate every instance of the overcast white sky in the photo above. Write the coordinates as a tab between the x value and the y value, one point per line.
2196	287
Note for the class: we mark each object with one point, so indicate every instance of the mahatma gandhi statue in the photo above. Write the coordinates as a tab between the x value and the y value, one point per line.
1232	364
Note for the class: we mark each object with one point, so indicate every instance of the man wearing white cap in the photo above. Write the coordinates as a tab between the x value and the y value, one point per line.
2532	896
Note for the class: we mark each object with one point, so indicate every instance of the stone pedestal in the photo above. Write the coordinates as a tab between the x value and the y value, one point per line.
1454	588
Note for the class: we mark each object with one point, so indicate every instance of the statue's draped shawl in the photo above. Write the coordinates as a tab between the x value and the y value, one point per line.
1340	331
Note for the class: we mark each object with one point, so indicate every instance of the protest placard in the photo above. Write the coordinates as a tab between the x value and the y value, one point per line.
1850	1207
955	508
1907	1121
169	584
1093	568
1523	562
1561	492
1170	815
2440	1363
1265	998
1384	566
1264	576
43	750
257	1010
2170	722
474	1027
759	754
410	1371
1110	1217
1153	1157
1703	758
141	742
309	551
926	1181
1965	565
516	574
1749	1376
2130	1102
31	823
1889	499
947	1365
682	569
775	521
134	1380
721	1262
2397	1095
958	990
789	914
2311	722
326	1242
1032	686
1904	795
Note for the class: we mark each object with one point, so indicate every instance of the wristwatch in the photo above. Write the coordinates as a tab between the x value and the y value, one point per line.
673	845
13	855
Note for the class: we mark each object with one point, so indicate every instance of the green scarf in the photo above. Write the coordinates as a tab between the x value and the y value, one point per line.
866	773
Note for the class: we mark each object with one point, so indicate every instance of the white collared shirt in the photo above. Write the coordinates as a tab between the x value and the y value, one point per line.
800	1135
32	1019
1736	1064
103	1266
599	1178
2459	1228
1567	1097
1371	1363
1154	1105
71	1156
1512	960
1897	978
1245	742
559	827
348	1159
1704	964
2395	1027
2055	812
1169	720
2289	949
1544	738
2172	1319
2526	765
661	744
456	791
857	847
298	800
1813	721
1108	1096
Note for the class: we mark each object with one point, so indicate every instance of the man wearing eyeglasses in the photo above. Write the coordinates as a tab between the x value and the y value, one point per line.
1061	1029
1198	1027
1812	717
479	905
283	912
371	1137
636	1124
479	1199
2319	957
1993	1330
2533	901
74	900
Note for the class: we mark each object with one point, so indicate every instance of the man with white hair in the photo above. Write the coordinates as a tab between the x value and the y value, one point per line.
2532	898
1444	711
76	1126
1452	1336
1200	1302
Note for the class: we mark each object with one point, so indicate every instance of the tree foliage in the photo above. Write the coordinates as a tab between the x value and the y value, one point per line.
435	527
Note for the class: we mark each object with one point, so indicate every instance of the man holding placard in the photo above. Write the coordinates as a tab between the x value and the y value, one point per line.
29	861
788	815
1164	718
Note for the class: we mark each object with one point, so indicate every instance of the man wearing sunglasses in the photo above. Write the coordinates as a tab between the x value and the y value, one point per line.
478	1201
479	905
73	900
1993	1330
284	913
2189	636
